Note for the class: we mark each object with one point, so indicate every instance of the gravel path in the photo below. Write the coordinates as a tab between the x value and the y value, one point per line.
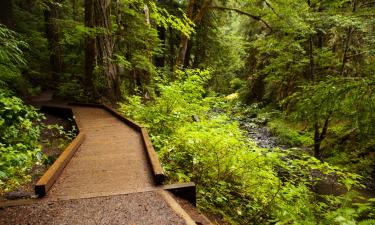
137	208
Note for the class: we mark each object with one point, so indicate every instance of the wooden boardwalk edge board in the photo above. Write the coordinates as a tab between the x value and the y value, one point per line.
153	158
129	122
157	169
50	176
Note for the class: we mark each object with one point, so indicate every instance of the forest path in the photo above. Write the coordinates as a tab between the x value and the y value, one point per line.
111	160
108	181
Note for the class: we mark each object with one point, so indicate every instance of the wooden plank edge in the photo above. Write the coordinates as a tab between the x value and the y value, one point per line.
45	183
118	115
153	158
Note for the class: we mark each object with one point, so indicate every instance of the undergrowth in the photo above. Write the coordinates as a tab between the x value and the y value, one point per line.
235	178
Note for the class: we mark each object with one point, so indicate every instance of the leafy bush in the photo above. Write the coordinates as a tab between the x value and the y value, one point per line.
19	138
235	178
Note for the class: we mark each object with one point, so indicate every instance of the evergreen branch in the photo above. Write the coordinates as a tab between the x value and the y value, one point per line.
258	18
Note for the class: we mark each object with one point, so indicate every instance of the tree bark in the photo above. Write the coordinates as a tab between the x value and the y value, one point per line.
105	47
53	38
90	50
184	39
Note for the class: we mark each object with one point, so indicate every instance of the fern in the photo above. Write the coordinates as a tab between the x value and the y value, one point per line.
11	56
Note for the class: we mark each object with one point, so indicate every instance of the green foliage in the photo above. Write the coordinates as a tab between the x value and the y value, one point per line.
11	57
163	18
178	102
288	135
234	177
72	90
29	22
19	137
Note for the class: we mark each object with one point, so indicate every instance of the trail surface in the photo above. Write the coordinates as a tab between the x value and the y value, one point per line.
108	181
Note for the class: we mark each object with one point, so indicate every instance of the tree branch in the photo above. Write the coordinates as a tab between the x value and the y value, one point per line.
258	18
272	9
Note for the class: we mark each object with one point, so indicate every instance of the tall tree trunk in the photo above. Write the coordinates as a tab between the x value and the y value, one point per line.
52	34
349	34
184	39
311	59
346	50
6	12
90	50
105	49
188	53
75	10
171	42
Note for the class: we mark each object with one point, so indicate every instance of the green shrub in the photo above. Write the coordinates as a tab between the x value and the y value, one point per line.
19	137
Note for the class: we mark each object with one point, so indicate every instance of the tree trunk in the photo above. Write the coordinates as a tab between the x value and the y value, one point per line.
346	49
105	49
317	142
188	53
75	10
6	12
52	34
311	59
184	39
319	137
349	34
90	50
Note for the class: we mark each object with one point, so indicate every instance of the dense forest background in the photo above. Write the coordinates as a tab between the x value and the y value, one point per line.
204	76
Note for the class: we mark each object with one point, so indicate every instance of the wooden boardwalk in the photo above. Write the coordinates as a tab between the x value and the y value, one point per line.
109	180
111	160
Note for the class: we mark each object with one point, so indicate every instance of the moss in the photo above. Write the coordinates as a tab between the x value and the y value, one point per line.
289	134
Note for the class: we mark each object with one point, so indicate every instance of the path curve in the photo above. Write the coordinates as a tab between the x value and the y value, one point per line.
108	181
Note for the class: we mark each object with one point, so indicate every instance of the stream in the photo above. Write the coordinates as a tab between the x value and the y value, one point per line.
260	134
